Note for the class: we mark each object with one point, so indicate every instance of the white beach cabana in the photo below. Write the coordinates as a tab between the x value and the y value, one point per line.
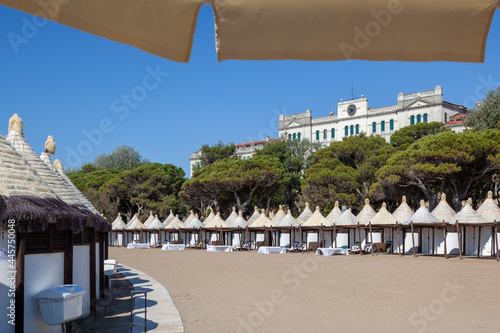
195	233
402	213
189	218
343	224
155	227
117	234
254	216
279	215
287	228
364	217
305	215
214	229
136	231
233	216
169	218
209	218
150	219
173	231
381	227
473	240
262	231
423	220
238	232
490	211
334	214
443	212
314	230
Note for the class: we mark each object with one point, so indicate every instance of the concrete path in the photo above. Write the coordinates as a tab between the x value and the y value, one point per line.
162	315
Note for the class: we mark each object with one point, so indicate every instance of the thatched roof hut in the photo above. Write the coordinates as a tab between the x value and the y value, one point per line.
262	221
316	220
422	216
366	214
334	214
217	222
279	215
169	219
383	217
288	221
149	220
254	216
403	212
489	210
347	219
443	211
239	222
305	215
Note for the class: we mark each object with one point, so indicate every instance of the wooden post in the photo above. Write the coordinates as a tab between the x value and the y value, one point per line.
371	236
444	236
496	241
399	242
359	238
433	239
335	235
479	242
413	240
301	240
68	258
459	241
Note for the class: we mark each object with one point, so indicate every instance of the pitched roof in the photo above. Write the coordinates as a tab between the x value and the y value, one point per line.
334	214
233	216
150	219
305	215
422	215
317	219
288	221
443	211
217	222
118	224
279	215
254	216
176	223
367	213
195	224
155	224
209	218
135	223
262	221
489	209
403	212
239	222
383	217
467	215
189	218
347	219
169	219
133	219
118	219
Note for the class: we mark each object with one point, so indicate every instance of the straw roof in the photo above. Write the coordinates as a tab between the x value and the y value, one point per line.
367	213
334	214
217	222
383	217
305	215
239	222
118	219
189	218
254	216
443	211
169	219
489	210
135	223
134	218
347	219
195	224
317	219
155	224
403	212
232	217
150	219
118	224
26	197
209	218
422	215
262	221
288	221
175	224
279	215
467	215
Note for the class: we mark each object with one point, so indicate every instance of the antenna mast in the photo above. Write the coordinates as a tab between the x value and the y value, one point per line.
351	97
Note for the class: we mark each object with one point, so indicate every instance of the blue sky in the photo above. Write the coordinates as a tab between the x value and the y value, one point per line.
65	83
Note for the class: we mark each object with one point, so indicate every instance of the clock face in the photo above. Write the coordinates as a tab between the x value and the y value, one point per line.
351	110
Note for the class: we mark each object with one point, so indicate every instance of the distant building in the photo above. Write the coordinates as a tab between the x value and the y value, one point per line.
457	123
243	150
356	116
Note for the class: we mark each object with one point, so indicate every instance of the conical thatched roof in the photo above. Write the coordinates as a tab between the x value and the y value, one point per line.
150	219
169	219
489	210
119	225
239	222
288	221
317	219
366	214
347	219
217	222
118	220
135	223
279	215
403	212
175	224
443	211
155	224
422	216
305	215
233	216
209	218
383	217
254	216
189	218
26	197
334	214
262	221
467	215
195	224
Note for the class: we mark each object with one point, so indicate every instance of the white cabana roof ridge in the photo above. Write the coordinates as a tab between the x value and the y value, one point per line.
176	223
403	212
279	215
254	216
422	216
217	222
135	223
305	215
317	219
119	225
150	219
233	216
384	217
288	221
489	209
155	224
443	212
195	224
366	214
209	217
347	219
467	215
262	221
334	214
239	222
189	218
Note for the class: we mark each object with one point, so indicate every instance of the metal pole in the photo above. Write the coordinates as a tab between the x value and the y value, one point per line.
413	239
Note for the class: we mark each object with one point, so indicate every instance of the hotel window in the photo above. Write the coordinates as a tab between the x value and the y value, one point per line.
298	136
317	135
352	129
425	117
289	137
294	136
324	134
346	130
445	118
391	124
357	129
333	133
412	120
419	118
382	126
374	127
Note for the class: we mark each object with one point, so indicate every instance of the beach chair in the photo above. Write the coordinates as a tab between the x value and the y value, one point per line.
355	248
312	246
367	248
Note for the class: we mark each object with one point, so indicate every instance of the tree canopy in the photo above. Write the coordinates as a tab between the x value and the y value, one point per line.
485	115
404	137
122	158
210	154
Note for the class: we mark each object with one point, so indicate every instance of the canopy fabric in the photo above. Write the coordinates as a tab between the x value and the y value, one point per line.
169	219
403	212
135	223
305	215
195	224
117	220
489	210
367	213
347	219
119	225
383	217
209	218
317	219
262	221
233	216
189	218
149	220
133	219
334	214
288	221
422	216
443	211
163	28
424	30
175	224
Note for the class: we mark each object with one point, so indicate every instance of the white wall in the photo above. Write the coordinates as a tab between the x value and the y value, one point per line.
42	271
5	327
81	274
97	271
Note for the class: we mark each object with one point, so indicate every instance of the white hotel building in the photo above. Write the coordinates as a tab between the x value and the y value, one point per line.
356	116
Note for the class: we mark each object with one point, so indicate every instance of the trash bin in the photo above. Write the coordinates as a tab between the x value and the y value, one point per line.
61	304
110	266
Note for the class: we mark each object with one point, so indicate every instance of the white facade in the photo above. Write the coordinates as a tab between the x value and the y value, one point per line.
356	116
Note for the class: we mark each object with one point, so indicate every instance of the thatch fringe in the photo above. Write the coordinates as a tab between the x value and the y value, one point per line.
92	220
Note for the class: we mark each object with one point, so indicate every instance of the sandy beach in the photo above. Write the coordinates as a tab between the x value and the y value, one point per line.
295	292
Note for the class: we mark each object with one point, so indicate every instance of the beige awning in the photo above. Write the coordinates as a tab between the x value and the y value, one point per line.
423	30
